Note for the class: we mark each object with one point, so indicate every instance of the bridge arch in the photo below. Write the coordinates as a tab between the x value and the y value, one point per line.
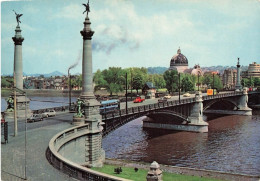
224	103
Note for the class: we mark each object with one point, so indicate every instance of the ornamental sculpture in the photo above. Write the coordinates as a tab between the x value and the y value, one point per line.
87	8
80	112
10	104
18	18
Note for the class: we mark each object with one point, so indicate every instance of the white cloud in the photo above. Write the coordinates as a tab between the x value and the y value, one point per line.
69	11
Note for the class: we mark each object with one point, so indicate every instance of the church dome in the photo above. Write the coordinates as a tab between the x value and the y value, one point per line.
179	59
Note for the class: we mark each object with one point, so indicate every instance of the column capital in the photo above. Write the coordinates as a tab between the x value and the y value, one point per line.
87	33
18	40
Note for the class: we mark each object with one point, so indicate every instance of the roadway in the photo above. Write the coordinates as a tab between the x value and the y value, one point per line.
37	140
153	101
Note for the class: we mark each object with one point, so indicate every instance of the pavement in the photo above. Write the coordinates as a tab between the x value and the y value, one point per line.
37	140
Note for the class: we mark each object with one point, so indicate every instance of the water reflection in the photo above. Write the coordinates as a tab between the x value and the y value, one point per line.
232	145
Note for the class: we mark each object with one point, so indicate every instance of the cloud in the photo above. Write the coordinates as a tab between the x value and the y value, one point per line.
112	37
69	11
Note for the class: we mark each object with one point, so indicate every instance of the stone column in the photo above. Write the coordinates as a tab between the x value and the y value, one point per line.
94	154
196	116
22	102
18	58
238	82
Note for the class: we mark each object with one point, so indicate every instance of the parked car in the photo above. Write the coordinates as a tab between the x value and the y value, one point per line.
138	99
162	100
49	113
186	95
168	96
34	118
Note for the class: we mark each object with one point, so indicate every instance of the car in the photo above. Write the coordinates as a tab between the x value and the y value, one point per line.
34	118
186	95
162	100
49	113
138	99
168	96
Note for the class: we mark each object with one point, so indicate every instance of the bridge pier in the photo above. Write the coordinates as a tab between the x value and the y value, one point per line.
196	122
243	108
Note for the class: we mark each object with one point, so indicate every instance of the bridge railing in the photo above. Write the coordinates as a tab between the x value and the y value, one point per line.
155	106
222	95
68	167
144	108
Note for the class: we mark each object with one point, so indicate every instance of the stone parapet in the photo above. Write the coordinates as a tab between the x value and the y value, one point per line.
68	167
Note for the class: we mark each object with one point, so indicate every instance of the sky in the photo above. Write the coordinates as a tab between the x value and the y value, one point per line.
131	33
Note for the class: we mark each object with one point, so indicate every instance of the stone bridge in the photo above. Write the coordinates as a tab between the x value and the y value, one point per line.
186	114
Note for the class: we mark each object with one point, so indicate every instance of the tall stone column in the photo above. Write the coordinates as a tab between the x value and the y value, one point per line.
238	82
18	58
94	154
196	116
22	102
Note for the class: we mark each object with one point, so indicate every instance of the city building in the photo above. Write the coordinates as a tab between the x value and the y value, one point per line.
252	71
229	78
179	62
196	70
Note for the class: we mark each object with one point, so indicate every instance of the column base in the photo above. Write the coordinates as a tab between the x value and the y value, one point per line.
244	112
78	121
188	127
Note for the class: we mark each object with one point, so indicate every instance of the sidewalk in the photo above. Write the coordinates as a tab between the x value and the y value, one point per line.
38	168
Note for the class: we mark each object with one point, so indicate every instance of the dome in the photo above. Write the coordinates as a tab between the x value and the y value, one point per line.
179	59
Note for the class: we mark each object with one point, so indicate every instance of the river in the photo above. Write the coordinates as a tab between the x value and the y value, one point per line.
43	102
231	145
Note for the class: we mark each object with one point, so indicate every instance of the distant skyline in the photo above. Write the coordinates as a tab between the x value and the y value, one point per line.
131	33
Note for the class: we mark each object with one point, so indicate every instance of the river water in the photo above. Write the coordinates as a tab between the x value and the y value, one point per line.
231	145
43	102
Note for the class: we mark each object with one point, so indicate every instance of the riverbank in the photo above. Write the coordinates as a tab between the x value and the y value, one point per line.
198	173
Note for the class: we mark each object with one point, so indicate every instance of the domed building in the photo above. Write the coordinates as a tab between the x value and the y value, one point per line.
179	62
196	70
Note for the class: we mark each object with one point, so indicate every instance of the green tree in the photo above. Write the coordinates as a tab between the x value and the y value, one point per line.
159	81
114	79
256	81
171	80
99	80
138	82
207	80
187	84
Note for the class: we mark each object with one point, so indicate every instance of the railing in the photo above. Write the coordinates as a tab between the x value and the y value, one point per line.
68	167
146	108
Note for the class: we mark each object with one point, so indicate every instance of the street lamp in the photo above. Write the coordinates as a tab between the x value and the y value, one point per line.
25	134
69	77
126	93
213	83
179	76
198	81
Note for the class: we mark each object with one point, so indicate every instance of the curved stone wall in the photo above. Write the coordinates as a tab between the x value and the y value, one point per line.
68	167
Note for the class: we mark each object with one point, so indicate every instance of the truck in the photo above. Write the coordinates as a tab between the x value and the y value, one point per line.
138	100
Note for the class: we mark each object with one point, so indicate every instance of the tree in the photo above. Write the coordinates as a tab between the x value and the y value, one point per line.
207	80
114	79
159	81
187	84
99	80
138	82
171	80
256	81
217	83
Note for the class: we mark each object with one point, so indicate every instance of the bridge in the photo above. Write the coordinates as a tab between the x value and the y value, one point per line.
186	114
